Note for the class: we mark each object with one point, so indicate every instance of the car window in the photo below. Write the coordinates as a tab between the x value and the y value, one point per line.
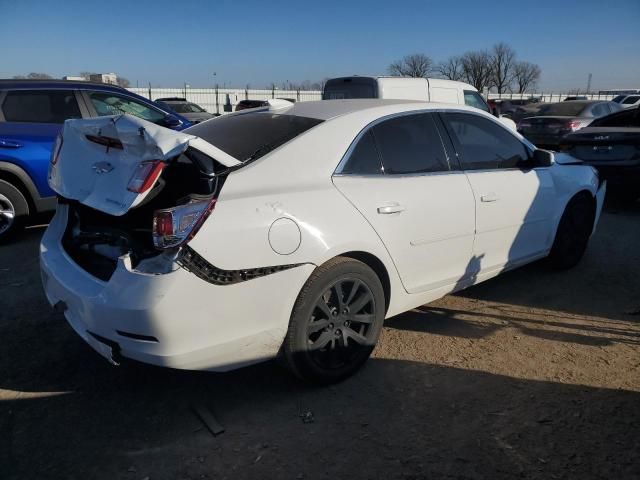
473	99
626	118
618	98
563	109
185	107
107	103
599	110
410	144
249	136
40	106
364	159
483	144
630	100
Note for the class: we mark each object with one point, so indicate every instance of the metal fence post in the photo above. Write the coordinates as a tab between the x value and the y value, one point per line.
217	104
246	93
273	91
150	91
298	95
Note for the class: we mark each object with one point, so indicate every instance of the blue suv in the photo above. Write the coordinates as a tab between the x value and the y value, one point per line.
31	115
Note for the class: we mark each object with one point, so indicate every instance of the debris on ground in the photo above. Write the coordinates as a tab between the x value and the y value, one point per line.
208	419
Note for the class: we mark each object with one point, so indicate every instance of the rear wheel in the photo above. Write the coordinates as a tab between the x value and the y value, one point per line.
335	322
573	232
13	210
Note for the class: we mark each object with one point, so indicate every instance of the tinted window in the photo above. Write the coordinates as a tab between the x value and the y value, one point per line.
483	144
626	118
40	106
473	99
563	109
340	88
107	103
618	98
631	100
599	110
185	107
364	159
252	135
410	144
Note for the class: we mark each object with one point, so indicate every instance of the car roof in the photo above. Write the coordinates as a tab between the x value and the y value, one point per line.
54	84
327	109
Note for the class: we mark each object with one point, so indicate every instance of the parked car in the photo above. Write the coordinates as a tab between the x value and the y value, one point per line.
554	120
296	230
408	88
246	104
189	110
630	101
515	109
612	145
31	115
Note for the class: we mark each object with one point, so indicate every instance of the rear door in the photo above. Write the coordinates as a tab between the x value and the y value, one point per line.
514	202
399	175
31	119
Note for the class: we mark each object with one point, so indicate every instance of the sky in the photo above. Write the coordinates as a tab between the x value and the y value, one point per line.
169	43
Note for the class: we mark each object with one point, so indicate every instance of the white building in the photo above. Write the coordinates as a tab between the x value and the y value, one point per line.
111	78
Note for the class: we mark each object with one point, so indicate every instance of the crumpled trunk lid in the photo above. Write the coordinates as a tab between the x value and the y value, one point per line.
99	157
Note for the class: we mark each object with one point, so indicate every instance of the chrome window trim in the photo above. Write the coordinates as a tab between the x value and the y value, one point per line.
345	158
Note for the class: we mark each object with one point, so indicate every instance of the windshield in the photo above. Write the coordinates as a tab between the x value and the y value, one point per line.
564	109
473	99
250	136
186	107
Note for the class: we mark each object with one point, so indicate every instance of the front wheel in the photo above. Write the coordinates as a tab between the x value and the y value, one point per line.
573	233
13	209
336	321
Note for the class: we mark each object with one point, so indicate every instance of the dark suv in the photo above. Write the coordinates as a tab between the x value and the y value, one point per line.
31	115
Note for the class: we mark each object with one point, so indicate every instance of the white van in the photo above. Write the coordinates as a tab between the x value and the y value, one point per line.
407	88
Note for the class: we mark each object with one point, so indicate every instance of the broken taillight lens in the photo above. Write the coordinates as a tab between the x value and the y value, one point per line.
57	146
175	226
145	175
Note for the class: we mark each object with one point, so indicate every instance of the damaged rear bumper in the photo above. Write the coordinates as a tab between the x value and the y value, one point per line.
173	319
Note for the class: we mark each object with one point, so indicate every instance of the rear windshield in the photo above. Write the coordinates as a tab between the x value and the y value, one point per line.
250	136
340	88
564	109
185	107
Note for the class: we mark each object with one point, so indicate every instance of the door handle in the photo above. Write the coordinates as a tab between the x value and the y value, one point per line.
489	197
392	208
9	144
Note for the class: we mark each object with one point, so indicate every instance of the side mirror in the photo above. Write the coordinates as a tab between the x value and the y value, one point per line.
542	158
171	121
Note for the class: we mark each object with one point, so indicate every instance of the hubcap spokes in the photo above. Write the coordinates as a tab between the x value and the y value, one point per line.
341	322
7	213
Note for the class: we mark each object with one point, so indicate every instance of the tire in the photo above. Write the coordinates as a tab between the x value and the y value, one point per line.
574	231
14	209
330	335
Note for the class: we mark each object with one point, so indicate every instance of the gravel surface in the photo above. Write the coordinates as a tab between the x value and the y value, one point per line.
534	374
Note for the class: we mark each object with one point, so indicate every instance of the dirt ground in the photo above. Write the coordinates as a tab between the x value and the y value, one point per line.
534	374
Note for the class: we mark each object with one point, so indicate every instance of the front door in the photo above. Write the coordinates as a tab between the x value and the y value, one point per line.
400	178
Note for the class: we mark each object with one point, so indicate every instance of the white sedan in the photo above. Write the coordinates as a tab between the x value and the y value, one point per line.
295	230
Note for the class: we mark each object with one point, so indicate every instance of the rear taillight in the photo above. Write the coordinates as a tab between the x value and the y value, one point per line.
175	226
573	125
57	146
145	175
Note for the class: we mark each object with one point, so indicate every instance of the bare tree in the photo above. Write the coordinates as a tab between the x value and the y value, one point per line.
476	67
526	75
503	60
451	68
415	65
34	76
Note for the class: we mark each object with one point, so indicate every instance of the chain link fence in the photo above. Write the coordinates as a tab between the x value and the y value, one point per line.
222	100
